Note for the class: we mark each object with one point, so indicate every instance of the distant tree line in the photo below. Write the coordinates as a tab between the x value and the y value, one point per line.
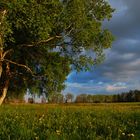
85	98
131	96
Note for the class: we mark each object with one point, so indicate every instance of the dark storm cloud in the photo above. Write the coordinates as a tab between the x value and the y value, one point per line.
126	20
121	69
124	60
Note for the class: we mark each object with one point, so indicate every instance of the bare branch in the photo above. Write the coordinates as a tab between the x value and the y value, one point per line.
68	33
20	65
40	42
68	26
6	52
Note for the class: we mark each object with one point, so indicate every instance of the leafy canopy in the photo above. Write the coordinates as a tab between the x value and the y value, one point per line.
51	37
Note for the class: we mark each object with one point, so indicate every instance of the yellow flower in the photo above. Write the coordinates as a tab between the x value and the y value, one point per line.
36	138
131	135
58	132
128	135
120	130
123	134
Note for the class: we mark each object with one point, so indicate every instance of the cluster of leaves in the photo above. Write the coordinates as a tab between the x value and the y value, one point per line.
69	122
34	28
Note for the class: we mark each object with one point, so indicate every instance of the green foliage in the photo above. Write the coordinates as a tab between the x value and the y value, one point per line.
32	29
83	122
55	98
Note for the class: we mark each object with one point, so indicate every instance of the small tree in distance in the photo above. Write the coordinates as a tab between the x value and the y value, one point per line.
56	98
69	97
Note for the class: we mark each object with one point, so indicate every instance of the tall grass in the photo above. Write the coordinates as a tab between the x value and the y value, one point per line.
70	122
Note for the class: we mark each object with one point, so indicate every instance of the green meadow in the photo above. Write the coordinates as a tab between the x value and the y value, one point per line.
120	121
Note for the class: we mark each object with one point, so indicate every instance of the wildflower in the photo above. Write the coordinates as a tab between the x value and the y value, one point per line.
123	134
36	138
108	127
131	135
35	134
120	130
58	132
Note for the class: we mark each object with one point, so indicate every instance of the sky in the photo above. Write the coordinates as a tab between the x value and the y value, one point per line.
120	70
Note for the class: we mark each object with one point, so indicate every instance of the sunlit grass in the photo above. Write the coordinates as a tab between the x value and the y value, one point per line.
70	122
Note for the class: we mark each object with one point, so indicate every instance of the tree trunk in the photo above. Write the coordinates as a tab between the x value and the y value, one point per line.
0	69
4	91
6	84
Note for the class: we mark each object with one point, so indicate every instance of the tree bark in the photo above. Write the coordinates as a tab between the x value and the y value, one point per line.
1	55
4	91
0	69
6	84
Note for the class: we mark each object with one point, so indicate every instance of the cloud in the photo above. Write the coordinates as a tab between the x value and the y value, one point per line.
116	87
79	88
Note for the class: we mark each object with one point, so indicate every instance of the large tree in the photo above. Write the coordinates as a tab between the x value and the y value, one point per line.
42	40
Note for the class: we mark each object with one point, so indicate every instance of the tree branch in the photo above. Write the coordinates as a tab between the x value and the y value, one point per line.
20	65
40	42
6	52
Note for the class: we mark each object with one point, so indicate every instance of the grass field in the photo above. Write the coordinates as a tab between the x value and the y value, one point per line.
70	122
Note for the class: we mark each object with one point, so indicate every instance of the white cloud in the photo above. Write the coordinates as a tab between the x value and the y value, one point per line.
115	88
128	56
74	85
89	88
100	83
135	63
